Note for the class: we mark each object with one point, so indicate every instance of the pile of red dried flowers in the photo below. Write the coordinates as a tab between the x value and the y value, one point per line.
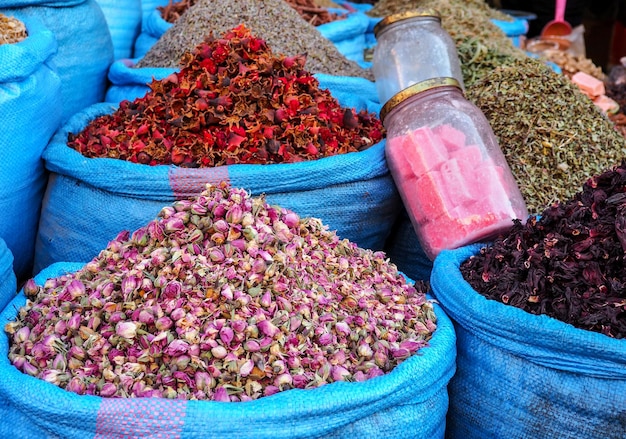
569	264
233	101
222	297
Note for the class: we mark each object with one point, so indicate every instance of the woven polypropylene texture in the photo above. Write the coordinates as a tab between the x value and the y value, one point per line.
89	201
348	33
409	402
85	49
8	281
124	22
30	104
521	375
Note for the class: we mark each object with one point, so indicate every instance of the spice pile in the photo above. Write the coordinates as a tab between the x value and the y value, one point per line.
233	101
478	59
308	9
173	10
462	19
12	30
552	135
222	297
312	13
271	20
571	64
569	264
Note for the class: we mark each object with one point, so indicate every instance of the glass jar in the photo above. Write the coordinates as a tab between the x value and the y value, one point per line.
449	169
412	47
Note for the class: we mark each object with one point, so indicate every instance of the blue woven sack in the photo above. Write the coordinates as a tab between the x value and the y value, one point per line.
85	50
521	375
89	201
405	251
513	29
347	34
409	402
124	22
30	105
148	6
8	281
129	83
153	28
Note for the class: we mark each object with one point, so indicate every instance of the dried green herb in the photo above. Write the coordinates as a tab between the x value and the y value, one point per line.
272	20
569	264
552	135
233	101
12	30
462	19
478	59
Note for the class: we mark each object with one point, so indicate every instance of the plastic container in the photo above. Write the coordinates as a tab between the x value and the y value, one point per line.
412	47
450	172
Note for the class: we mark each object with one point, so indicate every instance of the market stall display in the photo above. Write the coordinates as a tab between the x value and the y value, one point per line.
196	126
221	244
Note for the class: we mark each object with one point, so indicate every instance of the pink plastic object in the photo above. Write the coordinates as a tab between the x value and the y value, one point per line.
449	170
557	27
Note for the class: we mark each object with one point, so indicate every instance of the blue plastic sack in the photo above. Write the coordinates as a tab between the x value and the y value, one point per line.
128	82
8	281
514	29
405	251
30	105
147	6
153	28
123	18
410	401
89	201
347	34
85	49
521	375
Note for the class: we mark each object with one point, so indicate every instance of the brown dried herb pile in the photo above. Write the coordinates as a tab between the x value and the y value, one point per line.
222	297
173	10
12	30
313	13
553	137
271	20
569	264
308	9
233	101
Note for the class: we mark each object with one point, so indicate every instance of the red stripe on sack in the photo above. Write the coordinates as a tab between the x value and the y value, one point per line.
188	182
140	417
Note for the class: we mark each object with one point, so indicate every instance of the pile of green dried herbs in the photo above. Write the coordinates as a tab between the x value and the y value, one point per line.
478	59
553	136
272	20
12	30
233	101
462	19
569	264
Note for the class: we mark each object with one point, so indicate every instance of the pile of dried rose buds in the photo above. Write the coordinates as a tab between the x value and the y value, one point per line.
234	101
222	297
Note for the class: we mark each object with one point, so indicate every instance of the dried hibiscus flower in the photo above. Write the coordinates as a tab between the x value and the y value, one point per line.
233	101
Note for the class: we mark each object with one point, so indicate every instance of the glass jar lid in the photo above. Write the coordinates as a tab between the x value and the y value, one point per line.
415	89
394	18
